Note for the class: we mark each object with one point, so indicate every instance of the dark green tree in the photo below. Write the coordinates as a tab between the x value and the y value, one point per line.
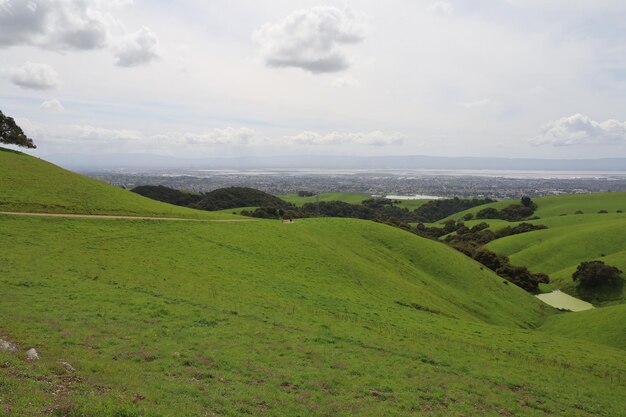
12	134
526	201
596	274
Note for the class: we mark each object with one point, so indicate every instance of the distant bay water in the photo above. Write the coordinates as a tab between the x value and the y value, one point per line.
416	173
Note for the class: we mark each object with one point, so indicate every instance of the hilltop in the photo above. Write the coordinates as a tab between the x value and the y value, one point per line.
30	184
234	197
220	199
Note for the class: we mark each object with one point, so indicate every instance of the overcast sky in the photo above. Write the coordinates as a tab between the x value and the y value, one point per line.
514	78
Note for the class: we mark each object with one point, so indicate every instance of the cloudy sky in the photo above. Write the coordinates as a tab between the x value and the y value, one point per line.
514	78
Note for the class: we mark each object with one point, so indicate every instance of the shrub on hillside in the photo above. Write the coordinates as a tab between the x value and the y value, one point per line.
487	213
440	209
522	277
596	274
513	212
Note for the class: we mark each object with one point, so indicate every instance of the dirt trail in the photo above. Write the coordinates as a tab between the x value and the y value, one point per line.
110	216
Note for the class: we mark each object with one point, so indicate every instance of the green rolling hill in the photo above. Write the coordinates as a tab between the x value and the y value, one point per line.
318	317
30	184
561	205
555	248
567	242
601	325
570	239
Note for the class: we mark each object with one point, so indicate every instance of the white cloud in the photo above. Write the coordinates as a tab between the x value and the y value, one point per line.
75	25
35	76
138	48
52	105
581	130
32	130
311	39
441	8
89	137
226	136
478	103
57	24
346	81
375	138
101	134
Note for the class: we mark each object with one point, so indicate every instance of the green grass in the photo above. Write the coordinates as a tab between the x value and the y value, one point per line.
562	204
237	210
551	222
569	240
603	325
558	250
29	184
264	318
352	198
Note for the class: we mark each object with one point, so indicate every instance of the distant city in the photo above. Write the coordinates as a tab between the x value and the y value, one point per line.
491	184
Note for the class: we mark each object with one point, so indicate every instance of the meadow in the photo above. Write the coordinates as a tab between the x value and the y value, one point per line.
245	318
320	317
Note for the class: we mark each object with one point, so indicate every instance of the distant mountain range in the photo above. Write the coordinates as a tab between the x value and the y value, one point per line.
149	161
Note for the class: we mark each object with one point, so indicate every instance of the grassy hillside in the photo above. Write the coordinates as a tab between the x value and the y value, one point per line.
551	222
561	205
561	248
569	240
603	325
352	198
553	249
319	317
29	184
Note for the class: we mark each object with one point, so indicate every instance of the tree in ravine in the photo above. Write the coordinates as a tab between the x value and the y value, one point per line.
12	134
596	274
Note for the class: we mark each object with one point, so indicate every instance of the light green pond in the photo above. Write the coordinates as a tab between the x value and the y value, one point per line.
558	299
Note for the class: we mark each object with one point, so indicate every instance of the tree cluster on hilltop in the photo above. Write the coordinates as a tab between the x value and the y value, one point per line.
220	199
436	210
233	197
168	195
378	209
